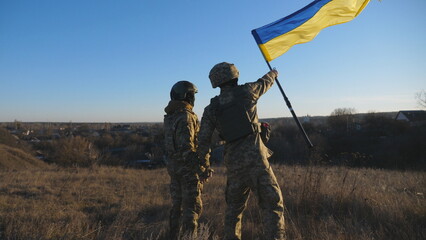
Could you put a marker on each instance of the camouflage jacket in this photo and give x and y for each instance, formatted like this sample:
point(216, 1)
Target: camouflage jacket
point(181, 127)
point(245, 151)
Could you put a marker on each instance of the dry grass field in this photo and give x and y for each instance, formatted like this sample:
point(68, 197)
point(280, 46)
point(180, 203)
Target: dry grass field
point(116, 203)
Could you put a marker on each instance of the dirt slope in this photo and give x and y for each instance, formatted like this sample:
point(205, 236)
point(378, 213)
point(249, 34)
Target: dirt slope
point(16, 159)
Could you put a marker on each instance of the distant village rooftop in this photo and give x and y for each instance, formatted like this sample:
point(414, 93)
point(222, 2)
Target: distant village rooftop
point(413, 116)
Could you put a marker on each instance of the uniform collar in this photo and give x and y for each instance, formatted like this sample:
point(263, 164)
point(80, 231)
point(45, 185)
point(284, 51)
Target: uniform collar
point(175, 106)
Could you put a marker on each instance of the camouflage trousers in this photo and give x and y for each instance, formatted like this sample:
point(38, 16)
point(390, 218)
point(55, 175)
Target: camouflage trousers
point(185, 191)
point(264, 185)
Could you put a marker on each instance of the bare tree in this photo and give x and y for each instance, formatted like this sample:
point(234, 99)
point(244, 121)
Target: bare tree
point(341, 120)
point(343, 112)
point(421, 99)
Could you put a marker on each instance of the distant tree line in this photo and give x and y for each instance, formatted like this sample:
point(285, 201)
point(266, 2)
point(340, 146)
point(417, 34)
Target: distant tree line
point(83, 145)
point(374, 140)
point(108, 148)
point(343, 138)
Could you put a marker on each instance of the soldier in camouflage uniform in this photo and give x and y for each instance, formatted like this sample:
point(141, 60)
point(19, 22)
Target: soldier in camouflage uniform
point(234, 115)
point(181, 127)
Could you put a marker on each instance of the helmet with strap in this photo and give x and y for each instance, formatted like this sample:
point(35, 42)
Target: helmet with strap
point(222, 73)
point(184, 91)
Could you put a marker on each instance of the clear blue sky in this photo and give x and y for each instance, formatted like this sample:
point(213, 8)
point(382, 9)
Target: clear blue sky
point(115, 61)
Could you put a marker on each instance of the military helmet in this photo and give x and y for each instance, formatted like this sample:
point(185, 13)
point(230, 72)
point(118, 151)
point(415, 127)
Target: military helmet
point(222, 73)
point(182, 90)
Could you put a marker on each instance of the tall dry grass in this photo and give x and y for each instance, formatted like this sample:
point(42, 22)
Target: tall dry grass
point(115, 203)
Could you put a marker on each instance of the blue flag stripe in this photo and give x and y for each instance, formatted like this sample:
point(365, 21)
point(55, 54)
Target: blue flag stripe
point(264, 34)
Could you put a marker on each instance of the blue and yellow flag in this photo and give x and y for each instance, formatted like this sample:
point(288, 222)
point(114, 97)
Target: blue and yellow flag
point(302, 26)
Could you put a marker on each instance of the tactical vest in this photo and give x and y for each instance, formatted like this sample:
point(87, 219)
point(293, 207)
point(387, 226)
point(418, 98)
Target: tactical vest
point(233, 119)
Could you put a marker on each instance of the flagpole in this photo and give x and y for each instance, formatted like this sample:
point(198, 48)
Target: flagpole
point(305, 136)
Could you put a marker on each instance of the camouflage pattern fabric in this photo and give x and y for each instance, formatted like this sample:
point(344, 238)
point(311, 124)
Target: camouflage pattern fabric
point(222, 73)
point(181, 127)
point(248, 169)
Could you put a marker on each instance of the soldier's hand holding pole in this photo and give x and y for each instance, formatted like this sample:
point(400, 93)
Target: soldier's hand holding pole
point(276, 72)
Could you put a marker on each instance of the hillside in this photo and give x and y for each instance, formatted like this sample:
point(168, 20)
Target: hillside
point(111, 203)
point(16, 159)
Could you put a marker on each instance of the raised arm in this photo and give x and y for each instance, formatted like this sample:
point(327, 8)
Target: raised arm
point(263, 84)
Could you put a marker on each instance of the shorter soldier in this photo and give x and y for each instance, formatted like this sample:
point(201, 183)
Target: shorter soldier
point(181, 128)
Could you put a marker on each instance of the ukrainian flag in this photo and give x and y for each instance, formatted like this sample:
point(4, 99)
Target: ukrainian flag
point(302, 26)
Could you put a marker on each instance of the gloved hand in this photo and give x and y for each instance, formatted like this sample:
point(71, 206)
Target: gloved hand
point(206, 174)
point(275, 71)
point(202, 167)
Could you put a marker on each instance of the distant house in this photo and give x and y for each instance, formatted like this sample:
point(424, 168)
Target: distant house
point(414, 118)
point(307, 119)
point(40, 155)
point(34, 140)
point(122, 128)
point(146, 163)
point(95, 134)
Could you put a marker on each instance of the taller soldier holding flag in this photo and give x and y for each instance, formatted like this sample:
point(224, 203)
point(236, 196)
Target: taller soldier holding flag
point(234, 115)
